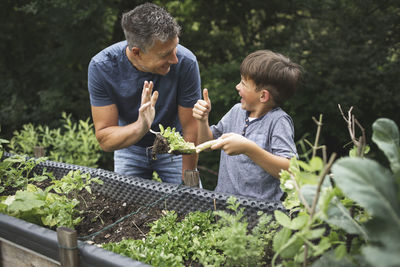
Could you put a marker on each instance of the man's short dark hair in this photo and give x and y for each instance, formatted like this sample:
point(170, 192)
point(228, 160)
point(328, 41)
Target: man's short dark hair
point(147, 23)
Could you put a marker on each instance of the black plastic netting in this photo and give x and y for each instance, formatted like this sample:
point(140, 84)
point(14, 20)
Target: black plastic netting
point(135, 190)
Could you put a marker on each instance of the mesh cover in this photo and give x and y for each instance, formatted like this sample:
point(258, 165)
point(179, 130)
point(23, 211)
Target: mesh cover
point(181, 198)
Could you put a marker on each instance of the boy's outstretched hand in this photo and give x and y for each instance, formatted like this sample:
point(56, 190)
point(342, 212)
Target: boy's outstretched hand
point(233, 144)
point(202, 108)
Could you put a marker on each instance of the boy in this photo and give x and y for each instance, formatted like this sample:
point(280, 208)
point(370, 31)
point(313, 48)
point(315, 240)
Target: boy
point(256, 136)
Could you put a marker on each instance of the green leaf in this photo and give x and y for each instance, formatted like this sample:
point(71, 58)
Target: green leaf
point(292, 247)
point(281, 238)
point(315, 233)
point(382, 256)
point(383, 231)
point(25, 201)
point(299, 221)
point(340, 251)
point(370, 185)
point(338, 215)
point(323, 245)
point(282, 218)
point(309, 192)
point(329, 259)
point(316, 164)
point(386, 137)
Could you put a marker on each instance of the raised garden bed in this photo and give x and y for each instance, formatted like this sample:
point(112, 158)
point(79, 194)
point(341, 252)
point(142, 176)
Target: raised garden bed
point(133, 191)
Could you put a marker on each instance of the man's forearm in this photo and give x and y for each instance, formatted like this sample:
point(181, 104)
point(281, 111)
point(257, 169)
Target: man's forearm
point(189, 162)
point(117, 137)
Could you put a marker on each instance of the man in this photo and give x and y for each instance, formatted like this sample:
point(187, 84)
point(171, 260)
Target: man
point(121, 79)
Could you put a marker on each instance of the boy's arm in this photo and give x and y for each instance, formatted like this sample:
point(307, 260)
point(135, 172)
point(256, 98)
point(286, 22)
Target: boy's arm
point(271, 163)
point(235, 144)
point(200, 112)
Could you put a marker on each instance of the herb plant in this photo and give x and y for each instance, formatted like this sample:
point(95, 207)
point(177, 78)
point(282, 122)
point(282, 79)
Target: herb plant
point(73, 183)
point(46, 208)
point(176, 142)
point(74, 143)
point(198, 238)
point(347, 217)
point(16, 171)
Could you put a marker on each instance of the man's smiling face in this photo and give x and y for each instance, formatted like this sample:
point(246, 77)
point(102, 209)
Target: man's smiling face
point(159, 58)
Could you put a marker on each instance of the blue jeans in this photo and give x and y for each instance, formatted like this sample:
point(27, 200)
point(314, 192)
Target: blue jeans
point(137, 161)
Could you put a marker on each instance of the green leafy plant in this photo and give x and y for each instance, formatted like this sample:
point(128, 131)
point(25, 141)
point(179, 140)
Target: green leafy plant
point(169, 242)
point(46, 208)
point(73, 183)
point(198, 238)
point(41, 207)
point(349, 216)
point(176, 142)
point(15, 171)
point(237, 245)
point(75, 143)
point(376, 189)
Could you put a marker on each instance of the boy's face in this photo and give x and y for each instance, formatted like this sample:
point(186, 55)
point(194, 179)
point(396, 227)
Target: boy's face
point(250, 99)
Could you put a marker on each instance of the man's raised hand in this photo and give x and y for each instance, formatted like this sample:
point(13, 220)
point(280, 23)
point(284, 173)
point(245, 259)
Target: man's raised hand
point(147, 109)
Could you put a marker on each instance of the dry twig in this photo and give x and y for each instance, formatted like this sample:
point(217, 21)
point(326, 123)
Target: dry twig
point(351, 126)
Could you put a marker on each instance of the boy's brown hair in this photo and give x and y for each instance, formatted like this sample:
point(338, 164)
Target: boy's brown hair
point(273, 72)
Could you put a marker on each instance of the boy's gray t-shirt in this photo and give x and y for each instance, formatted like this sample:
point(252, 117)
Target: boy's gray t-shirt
point(238, 174)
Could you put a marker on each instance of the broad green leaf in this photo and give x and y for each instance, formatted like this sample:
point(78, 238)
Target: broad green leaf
point(299, 221)
point(329, 259)
point(339, 216)
point(370, 185)
point(292, 247)
point(386, 136)
point(323, 245)
point(383, 231)
point(282, 218)
point(316, 164)
point(25, 201)
point(382, 256)
point(304, 165)
point(281, 238)
point(340, 251)
point(315, 233)
point(309, 191)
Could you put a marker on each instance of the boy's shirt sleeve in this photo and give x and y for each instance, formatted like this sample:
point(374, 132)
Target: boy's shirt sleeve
point(282, 139)
point(222, 126)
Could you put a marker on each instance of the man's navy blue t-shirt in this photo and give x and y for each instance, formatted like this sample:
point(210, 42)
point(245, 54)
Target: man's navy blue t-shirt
point(113, 79)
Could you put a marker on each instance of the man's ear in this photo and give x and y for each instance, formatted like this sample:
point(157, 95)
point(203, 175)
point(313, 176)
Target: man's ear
point(135, 51)
point(265, 96)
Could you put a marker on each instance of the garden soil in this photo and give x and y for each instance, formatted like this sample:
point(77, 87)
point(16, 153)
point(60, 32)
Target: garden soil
point(100, 211)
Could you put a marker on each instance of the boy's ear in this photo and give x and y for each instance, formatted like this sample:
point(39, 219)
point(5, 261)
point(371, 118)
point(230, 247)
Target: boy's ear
point(265, 96)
